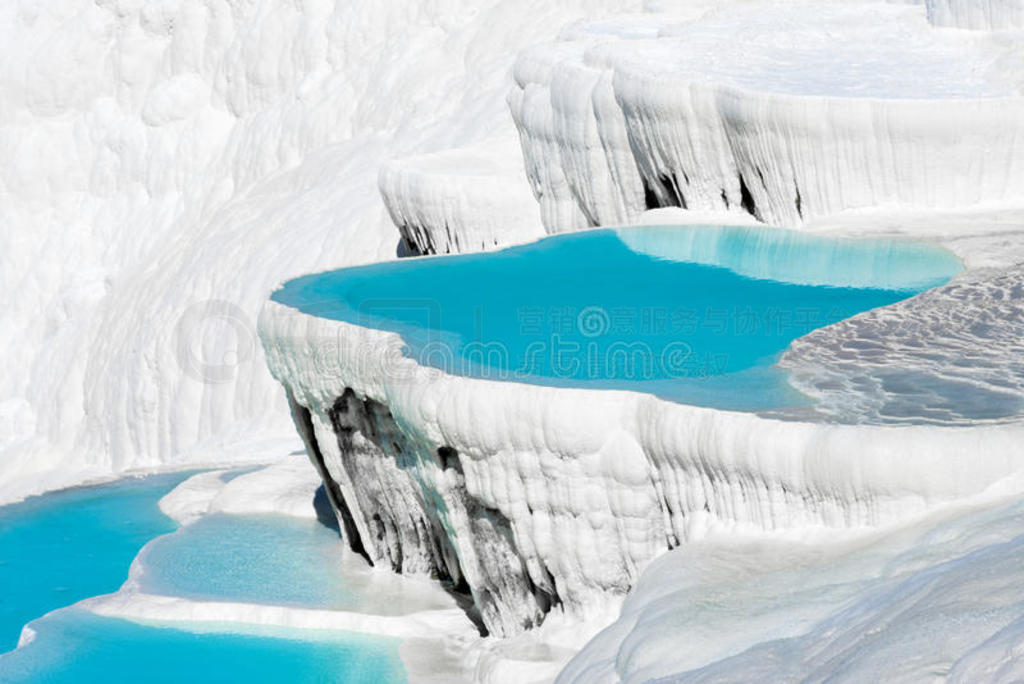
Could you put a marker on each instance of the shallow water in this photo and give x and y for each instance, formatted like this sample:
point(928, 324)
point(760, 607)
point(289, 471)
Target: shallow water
point(76, 646)
point(65, 546)
point(253, 559)
point(692, 314)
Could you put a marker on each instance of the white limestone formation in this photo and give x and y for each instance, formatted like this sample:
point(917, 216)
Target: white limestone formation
point(790, 111)
point(460, 200)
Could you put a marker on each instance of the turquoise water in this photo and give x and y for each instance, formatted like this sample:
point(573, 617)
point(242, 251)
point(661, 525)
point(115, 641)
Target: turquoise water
point(241, 558)
point(62, 547)
point(65, 546)
point(692, 314)
point(77, 647)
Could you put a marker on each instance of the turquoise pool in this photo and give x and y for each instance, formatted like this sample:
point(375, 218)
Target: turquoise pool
point(78, 647)
point(69, 545)
point(692, 314)
point(240, 558)
point(66, 546)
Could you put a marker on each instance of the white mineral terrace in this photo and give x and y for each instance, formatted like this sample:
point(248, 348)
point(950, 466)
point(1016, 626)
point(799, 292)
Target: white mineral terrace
point(461, 200)
point(838, 118)
point(592, 485)
point(168, 164)
point(787, 111)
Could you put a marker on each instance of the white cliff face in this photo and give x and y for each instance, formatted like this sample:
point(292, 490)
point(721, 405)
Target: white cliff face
point(825, 108)
point(460, 200)
point(574, 138)
point(977, 14)
point(531, 497)
point(166, 163)
point(537, 496)
point(938, 598)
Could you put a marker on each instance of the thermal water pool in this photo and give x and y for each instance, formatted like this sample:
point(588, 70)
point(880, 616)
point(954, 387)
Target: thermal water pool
point(65, 546)
point(693, 314)
point(238, 558)
point(78, 647)
point(62, 547)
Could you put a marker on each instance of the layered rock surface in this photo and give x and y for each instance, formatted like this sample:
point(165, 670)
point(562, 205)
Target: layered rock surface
point(790, 112)
point(532, 497)
point(977, 14)
point(536, 496)
point(460, 200)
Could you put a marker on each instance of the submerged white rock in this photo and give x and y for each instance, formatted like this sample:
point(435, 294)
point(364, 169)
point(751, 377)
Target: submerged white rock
point(950, 356)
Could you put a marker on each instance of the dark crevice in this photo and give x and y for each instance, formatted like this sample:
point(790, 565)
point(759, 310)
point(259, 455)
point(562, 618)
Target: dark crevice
point(510, 582)
point(367, 426)
point(664, 194)
point(678, 192)
point(324, 511)
point(556, 598)
point(539, 595)
point(348, 416)
point(406, 247)
point(725, 199)
point(414, 242)
point(671, 539)
point(546, 598)
point(449, 458)
point(746, 199)
point(402, 524)
point(464, 599)
point(650, 199)
point(304, 422)
point(799, 203)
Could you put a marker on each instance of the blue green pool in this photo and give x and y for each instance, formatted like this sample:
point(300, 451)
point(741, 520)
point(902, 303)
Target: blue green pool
point(62, 547)
point(271, 559)
point(692, 314)
point(77, 647)
point(65, 546)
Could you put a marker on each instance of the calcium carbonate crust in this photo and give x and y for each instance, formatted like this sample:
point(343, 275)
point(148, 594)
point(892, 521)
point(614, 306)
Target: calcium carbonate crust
point(460, 200)
point(167, 163)
point(531, 497)
point(825, 108)
point(952, 355)
point(977, 14)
